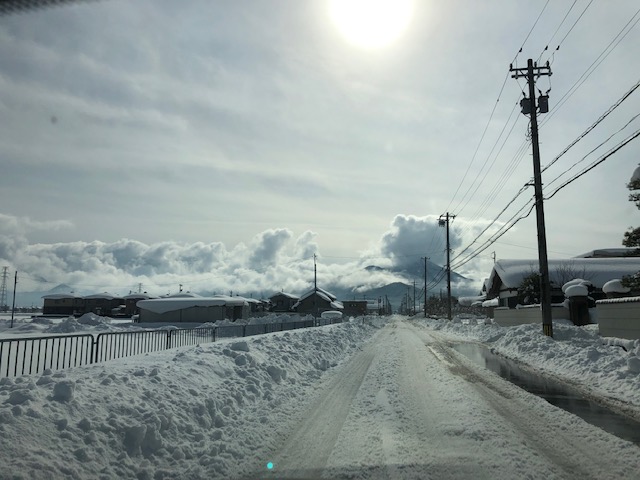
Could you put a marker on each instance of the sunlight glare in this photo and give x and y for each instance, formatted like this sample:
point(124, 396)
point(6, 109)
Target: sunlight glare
point(371, 23)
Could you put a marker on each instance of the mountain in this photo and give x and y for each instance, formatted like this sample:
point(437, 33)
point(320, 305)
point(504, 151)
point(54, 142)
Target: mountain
point(34, 298)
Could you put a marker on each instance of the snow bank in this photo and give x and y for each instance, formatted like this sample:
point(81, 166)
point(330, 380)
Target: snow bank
point(196, 412)
point(576, 354)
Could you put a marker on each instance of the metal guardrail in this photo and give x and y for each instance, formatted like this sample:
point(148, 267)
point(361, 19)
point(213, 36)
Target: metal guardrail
point(33, 355)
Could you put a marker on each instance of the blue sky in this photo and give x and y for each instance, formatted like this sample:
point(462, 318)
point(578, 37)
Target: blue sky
point(231, 124)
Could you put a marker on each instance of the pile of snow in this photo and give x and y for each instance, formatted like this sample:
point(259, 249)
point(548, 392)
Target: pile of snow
point(575, 354)
point(576, 291)
point(615, 286)
point(93, 319)
point(205, 411)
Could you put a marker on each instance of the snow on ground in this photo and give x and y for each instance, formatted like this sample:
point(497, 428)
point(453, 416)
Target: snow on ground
point(601, 367)
point(349, 399)
point(195, 412)
point(26, 326)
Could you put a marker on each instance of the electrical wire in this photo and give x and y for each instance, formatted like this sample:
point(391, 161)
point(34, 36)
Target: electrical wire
point(574, 23)
point(594, 65)
point(494, 109)
point(600, 160)
point(558, 29)
point(593, 150)
point(610, 110)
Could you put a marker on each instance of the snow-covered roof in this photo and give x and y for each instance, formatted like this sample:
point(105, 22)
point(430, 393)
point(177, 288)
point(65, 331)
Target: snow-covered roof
point(329, 297)
point(183, 295)
point(597, 270)
point(163, 305)
point(58, 296)
point(133, 296)
point(326, 296)
point(469, 301)
point(608, 253)
point(104, 295)
point(285, 294)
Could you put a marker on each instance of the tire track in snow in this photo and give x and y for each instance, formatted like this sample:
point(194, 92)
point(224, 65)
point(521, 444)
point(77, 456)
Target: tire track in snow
point(308, 447)
point(571, 451)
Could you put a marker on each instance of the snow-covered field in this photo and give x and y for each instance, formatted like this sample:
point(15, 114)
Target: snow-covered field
point(341, 401)
point(26, 326)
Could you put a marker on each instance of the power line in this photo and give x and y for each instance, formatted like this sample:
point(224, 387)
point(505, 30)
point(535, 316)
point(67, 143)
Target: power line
point(597, 162)
point(493, 110)
point(593, 150)
point(596, 123)
point(484, 132)
point(558, 29)
point(531, 31)
point(511, 222)
point(594, 65)
point(574, 23)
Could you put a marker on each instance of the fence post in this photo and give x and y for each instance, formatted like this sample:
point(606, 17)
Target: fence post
point(168, 339)
point(95, 344)
point(244, 330)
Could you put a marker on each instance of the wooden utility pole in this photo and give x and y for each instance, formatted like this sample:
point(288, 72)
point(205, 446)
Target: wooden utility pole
point(529, 106)
point(425, 286)
point(414, 297)
point(445, 223)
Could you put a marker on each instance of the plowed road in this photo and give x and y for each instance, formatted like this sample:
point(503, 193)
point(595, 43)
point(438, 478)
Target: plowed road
point(407, 406)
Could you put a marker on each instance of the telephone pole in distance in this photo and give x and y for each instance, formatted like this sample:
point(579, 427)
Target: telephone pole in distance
point(445, 223)
point(425, 285)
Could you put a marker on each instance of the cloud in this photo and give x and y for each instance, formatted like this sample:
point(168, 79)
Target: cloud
point(267, 246)
point(411, 236)
point(273, 260)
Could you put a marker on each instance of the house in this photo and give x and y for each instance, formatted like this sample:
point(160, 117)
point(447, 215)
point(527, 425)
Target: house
point(283, 302)
point(63, 304)
point(196, 309)
point(507, 276)
point(316, 301)
point(102, 303)
point(131, 300)
point(355, 308)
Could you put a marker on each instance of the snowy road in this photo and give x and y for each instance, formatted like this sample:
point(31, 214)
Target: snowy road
point(407, 406)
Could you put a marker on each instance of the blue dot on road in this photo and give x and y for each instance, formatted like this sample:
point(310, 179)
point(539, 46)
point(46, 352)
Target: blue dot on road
point(270, 465)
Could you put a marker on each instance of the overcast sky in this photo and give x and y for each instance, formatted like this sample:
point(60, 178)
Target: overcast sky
point(222, 143)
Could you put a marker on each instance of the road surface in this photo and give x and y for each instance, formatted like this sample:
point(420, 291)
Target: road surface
point(408, 406)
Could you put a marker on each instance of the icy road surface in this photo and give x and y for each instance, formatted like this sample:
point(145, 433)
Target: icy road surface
point(407, 406)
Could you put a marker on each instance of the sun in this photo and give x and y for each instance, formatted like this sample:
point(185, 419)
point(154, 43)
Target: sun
point(371, 23)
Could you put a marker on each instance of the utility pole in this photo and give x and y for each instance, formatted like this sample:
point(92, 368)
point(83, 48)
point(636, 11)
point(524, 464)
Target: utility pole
point(442, 223)
point(529, 106)
point(13, 308)
point(414, 297)
point(425, 285)
point(3, 289)
point(315, 274)
point(315, 286)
